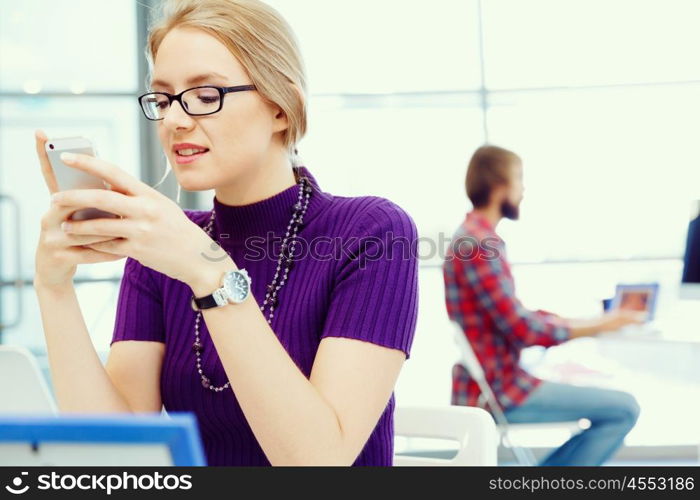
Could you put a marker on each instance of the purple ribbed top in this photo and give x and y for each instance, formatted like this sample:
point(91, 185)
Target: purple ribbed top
point(354, 291)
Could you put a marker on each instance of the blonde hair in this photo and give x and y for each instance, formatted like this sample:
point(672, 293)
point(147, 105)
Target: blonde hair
point(262, 41)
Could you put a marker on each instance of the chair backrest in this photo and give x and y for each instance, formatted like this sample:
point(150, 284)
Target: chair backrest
point(23, 388)
point(467, 356)
point(472, 428)
point(469, 360)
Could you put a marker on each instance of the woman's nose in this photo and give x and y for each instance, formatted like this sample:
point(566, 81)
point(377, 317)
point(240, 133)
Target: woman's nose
point(175, 117)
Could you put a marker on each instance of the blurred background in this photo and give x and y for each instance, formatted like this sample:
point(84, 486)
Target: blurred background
point(601, 98)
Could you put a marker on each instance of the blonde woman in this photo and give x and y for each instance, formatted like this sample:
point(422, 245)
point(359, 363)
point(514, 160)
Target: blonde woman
point(284, 358)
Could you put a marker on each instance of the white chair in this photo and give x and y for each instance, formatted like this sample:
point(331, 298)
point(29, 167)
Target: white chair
point(23, 388)
point(472, 428)
point(523, 455)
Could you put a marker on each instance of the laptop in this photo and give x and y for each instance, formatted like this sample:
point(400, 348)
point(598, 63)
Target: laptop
point(33, 433)
point(23, 388)
point(641, 298)
point(118, 440)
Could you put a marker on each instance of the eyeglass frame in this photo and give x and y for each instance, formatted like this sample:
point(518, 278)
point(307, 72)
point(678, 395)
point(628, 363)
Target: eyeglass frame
point(178, 97)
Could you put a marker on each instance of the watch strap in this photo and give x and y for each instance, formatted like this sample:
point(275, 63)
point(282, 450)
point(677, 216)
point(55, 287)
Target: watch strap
point(203, 303)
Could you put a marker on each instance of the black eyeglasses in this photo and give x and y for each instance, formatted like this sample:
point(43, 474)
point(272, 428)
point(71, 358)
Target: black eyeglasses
point(197, 101)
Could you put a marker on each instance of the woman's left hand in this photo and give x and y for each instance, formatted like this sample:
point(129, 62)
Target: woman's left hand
point(152, 229)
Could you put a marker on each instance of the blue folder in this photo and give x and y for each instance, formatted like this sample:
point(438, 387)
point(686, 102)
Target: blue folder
point(179, 432)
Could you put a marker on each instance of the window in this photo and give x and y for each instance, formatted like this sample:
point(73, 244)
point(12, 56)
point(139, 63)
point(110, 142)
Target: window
point(368, 47)
point(559, 43)
point(609, 173)
point(77, 46)
point(69, 75)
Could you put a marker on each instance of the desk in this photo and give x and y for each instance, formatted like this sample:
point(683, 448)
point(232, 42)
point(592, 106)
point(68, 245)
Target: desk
point(672, 350)
point(673, 354)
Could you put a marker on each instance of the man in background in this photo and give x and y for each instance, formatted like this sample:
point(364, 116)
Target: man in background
point(480, 296)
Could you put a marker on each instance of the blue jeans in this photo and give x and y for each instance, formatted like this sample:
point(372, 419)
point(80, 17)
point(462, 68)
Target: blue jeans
point(612, 415)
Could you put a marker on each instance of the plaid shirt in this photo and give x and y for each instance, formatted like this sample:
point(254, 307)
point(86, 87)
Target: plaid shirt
point(480, 296)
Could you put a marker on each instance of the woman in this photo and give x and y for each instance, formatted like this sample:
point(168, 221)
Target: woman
point(301, 369)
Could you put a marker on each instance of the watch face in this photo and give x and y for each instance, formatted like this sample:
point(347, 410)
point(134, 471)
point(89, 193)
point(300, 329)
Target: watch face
point(237, 286)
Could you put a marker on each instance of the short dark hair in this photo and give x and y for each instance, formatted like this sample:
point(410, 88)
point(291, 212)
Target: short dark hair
point(488, 168)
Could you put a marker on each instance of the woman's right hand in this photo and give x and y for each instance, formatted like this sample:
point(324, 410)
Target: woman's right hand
point(58, 254)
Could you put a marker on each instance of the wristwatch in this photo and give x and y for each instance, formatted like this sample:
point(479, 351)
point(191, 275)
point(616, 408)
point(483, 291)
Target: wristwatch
point(235, 288)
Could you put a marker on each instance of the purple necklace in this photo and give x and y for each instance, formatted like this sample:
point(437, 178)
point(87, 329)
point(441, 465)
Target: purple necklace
point(284, 265)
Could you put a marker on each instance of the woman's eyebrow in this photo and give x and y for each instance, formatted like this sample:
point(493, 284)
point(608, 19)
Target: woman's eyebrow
point(193, 80)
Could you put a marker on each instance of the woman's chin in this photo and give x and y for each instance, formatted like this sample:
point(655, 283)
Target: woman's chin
point(192, 183)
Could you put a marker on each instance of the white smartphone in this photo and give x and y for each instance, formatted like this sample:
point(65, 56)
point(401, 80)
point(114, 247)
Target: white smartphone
point(73, 178)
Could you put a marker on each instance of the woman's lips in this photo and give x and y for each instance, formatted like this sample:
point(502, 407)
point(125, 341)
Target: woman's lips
point(185, 160)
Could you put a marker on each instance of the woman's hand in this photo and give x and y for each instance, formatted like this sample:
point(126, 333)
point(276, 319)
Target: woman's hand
point(58, 254)
point(152, 229)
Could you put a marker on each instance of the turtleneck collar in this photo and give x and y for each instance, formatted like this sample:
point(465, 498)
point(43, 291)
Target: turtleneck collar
point(262, 217)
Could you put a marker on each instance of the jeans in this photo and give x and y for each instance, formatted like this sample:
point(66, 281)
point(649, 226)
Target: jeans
point(612, 415)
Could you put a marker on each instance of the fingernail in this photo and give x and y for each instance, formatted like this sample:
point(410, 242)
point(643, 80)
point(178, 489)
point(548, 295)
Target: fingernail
point(66, 226)
point(67, 157)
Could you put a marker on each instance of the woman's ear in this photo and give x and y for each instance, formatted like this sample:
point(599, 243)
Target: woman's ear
point(280, 123)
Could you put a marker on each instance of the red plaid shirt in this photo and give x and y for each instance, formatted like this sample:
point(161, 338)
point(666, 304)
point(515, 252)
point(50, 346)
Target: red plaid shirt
point(480, 296)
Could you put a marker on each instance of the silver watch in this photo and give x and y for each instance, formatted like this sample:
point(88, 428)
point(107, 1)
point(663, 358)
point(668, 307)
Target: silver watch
point(235, 289)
